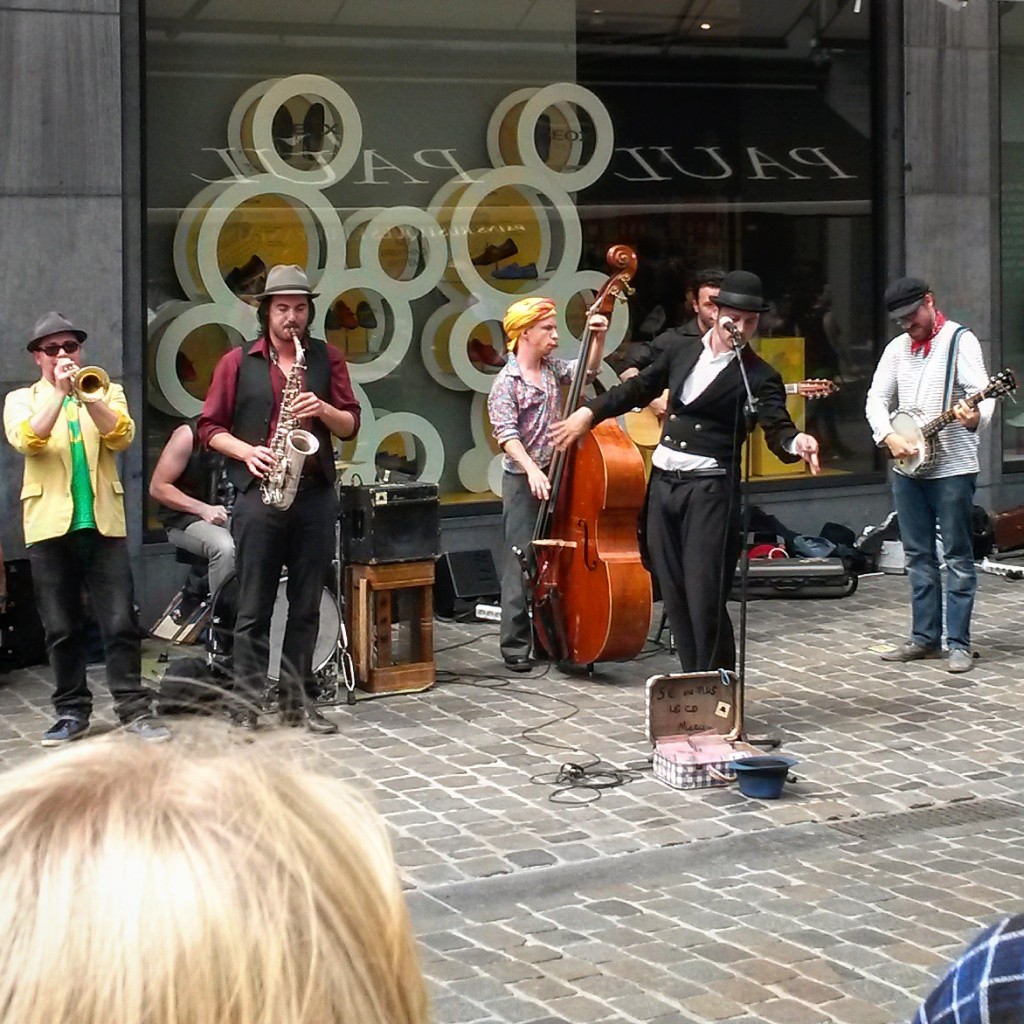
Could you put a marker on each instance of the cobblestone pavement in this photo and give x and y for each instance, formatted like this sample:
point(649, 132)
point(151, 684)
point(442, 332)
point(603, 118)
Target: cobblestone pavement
point(839, 902)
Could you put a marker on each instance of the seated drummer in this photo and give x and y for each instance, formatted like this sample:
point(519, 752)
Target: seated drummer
point(185, 483)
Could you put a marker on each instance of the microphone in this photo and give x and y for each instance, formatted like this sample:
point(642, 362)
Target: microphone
point(736, 334)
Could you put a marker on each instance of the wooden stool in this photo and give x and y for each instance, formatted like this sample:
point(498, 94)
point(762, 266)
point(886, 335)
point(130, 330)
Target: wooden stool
point(381, 600)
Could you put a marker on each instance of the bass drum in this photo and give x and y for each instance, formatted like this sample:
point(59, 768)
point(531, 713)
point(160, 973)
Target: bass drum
point(220, 635)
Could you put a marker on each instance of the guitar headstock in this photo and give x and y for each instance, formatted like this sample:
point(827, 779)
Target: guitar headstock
point(816, 388)
point(1003, 383)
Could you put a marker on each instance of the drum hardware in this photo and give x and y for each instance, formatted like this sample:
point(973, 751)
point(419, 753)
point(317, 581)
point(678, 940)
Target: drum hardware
point(219, 639)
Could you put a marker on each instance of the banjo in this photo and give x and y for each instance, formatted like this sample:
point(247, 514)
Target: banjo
point(911, 424)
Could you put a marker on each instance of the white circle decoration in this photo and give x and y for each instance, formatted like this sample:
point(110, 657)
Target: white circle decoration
point(389, 357)
point(473, 467)
point(429, 343)
point(436, 254)
point(462, 221)
point(224, 204)
point(371, 435)
point(505, 108)
point(235, 315)
point(495, 474)
point(458, 347)
point(185, 236)
point(604, 132)
point(351, 129)
point(245, 104)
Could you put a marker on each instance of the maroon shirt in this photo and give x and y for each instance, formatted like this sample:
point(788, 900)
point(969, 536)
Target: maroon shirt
point(218, 413)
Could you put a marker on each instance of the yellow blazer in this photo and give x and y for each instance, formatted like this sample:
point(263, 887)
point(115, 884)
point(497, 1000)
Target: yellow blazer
point(46, 502)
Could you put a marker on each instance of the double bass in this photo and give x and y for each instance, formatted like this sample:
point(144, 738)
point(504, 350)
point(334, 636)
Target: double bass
point(590, 593)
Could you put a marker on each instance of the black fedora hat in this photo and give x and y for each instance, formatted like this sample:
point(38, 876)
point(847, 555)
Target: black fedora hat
point(741, 290)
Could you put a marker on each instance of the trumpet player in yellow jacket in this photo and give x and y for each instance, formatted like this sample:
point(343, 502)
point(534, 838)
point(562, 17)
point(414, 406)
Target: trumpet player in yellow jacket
point(69, 430)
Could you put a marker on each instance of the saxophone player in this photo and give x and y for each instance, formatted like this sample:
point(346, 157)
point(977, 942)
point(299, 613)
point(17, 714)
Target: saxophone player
point(255, 386)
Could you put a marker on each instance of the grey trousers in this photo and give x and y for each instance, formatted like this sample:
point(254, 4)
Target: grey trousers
point(519, 510)
point(214, 543)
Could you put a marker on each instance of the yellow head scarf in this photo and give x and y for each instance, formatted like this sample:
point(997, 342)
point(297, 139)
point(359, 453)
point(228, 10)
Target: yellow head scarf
point(522, 315)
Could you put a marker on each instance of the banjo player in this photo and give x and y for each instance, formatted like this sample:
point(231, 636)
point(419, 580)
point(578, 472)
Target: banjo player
point(934, 364)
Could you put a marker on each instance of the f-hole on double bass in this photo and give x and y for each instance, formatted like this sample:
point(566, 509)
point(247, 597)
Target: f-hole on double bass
point(590, 593)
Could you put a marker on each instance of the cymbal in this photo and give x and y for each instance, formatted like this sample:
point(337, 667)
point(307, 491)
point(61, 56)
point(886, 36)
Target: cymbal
point(341, 464)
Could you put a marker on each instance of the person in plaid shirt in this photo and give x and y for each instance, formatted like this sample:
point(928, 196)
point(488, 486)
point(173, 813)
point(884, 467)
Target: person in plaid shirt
point(985, 985)
point(522, 405)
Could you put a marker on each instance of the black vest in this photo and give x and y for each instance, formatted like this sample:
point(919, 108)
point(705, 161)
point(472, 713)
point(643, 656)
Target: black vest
point(254, 404)
point(197, 480)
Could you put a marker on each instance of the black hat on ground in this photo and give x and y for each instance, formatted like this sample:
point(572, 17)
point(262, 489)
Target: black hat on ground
point(904, 295)
point(741, 290)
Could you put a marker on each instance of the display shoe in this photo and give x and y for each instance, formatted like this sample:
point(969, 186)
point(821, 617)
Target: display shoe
point(542, 137)
point(282, 131)
point(365, 316)
point(340, 318)
point(184, 368)
point(313, 130)
point(249, 278)
point(483, 352)
point(515, 272)
point(493, 253)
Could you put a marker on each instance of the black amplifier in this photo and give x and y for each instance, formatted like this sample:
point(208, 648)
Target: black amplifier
point(389, 523)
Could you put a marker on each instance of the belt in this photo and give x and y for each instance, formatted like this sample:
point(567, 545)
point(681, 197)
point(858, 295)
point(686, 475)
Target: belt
point(311, 480)
point(682, 475)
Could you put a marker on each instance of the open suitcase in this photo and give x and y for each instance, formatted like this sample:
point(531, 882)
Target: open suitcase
point(694, 722)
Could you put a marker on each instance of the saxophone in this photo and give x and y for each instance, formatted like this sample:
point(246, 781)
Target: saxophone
point(291, 445)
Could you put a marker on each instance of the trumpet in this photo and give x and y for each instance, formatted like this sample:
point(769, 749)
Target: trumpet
point(90, 383)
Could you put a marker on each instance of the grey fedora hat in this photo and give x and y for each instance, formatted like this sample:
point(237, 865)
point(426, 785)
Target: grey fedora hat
point(287, 279)
point(741, 290)
point(53, 323)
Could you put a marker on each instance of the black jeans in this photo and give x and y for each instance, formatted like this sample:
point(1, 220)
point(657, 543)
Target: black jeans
point(61, 567)
point(267, 540)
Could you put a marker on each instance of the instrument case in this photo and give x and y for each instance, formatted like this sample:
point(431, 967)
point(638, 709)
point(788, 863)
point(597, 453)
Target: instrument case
point(1008, 529)
point(796, 577)
point(397, 522)
point(694, 723)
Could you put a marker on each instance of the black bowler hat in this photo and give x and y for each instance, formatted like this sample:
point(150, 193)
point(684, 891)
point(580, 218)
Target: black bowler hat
point(741, 290)
point(904, 295)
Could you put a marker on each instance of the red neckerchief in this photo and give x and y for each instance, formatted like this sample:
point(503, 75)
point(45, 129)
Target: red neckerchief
point(924, 347)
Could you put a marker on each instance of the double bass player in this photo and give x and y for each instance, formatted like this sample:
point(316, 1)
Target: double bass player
point(693, 507)
point(523, 403)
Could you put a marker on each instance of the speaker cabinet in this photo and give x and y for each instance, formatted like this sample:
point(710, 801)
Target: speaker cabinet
point(464, 577)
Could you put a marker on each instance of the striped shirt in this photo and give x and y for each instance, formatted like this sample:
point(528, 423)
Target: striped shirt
point(521, 410)
point(907, 382)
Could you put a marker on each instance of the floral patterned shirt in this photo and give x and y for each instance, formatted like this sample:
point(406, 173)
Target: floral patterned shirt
point(521, 410)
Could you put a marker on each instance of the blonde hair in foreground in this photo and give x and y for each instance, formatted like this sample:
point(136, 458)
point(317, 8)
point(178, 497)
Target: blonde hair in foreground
point(144, 884)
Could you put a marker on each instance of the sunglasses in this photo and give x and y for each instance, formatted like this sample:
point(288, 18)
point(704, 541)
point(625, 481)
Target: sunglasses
point(55, 347)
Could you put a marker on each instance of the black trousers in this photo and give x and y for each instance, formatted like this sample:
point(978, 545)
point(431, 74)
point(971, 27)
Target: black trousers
point(693, 533)
point(267, 540)
point(61, 567)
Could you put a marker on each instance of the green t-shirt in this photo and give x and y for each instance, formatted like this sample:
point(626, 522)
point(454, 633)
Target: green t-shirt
point(84, 517)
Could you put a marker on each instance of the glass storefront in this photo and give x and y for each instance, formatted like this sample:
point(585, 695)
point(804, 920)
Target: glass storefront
point(429, 161)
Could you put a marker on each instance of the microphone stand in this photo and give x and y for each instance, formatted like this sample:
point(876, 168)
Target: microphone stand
point(739, 343)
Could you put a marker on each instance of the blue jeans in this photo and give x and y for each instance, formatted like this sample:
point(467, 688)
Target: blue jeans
point(61, 567)
point(921, 504)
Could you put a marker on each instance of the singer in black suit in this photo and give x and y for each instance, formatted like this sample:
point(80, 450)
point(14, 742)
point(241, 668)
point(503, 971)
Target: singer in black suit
point(693, 499)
